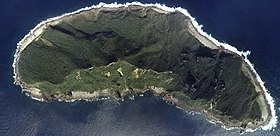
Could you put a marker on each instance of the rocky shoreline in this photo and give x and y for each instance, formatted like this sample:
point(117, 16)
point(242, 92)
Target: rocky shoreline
point(268, 111)
point(36, 94)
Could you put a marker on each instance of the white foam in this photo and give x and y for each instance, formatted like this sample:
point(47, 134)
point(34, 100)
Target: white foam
point(32, 97)
point(273, 121)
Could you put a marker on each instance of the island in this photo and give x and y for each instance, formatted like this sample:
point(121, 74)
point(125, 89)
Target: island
point(107, 51)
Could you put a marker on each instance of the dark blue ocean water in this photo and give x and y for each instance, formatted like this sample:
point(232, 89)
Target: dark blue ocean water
point(246, 24)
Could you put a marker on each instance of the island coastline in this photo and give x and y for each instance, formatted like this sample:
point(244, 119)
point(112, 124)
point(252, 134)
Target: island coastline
point(197, 31)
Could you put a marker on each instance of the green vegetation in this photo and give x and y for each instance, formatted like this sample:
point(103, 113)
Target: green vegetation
point(134, 49)
point(116, 77)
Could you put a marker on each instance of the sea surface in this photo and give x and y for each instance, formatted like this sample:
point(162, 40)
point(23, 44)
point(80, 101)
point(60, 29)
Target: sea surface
point(246, 24)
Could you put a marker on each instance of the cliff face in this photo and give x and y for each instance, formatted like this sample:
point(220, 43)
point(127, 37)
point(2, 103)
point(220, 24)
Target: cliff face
point(61, 60)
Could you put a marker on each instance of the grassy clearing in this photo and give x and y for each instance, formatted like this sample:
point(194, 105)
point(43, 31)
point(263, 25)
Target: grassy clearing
point(119, 76)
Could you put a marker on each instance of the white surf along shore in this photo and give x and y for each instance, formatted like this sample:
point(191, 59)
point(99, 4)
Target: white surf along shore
point(205, 38)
